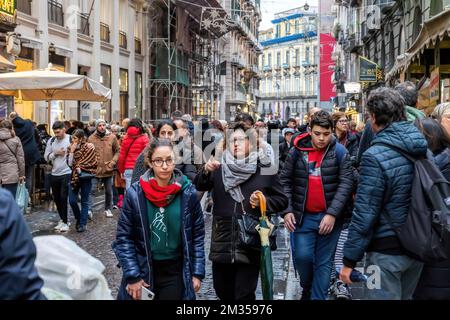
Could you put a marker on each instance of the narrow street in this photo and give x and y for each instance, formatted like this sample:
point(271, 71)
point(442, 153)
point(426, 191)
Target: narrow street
point(101, 232)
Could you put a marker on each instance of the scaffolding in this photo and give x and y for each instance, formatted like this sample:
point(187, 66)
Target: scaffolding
point(183, 59)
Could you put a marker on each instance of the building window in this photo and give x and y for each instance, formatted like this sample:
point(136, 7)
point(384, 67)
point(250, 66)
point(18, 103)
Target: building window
point(417, 23)
point(278, 59)
point(138, 94)
point(24, 6)
point(315, 55)
point(288, 28)
point(55, 12)
point(105, 79)
point(436, 6)
point(307, 54)
point(269, 59)
point(123, 85)
point(297, 26)
point(277, 31)
point(287, 57)
point(297, 57)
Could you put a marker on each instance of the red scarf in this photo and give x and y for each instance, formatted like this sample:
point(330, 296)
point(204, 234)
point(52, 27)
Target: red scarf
point(159, 196)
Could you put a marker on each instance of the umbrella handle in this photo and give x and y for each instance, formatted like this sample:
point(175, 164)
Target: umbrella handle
point(262, 203)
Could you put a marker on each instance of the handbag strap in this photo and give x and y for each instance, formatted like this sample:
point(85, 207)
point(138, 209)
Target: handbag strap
point(9, 148)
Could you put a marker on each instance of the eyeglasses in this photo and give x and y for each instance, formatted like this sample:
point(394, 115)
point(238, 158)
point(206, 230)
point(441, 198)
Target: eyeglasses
point(160, 163)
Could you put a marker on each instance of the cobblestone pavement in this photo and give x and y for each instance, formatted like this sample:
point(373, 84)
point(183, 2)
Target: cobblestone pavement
point(101, 233)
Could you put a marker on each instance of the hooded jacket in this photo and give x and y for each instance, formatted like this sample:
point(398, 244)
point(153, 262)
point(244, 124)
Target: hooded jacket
point(19, 279)
point(132, 244)
point(384, 188)
point(25, 130)
point(130, 149)
point(337, 178)
point(12, 161)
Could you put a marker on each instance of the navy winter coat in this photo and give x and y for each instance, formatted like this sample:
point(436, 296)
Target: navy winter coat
point(132, 245)
point(384, 187)
point(25, 130)
point(19, 278)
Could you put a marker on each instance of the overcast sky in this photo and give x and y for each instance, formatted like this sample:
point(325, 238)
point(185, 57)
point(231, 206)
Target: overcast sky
point(270, 7)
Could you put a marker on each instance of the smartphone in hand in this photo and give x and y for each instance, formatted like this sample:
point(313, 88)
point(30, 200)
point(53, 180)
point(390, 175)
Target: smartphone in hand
point(146, 294)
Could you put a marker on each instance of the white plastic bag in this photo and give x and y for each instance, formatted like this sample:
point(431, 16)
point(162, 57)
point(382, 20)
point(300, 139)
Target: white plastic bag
point(22, 196)
point(69, 270)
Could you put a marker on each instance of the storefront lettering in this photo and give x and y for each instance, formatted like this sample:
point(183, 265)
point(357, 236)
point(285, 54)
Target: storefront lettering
point(8, 6)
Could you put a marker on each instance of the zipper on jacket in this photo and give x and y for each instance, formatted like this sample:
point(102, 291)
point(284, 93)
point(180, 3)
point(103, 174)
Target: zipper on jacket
point(146, 245)
point(321, 177)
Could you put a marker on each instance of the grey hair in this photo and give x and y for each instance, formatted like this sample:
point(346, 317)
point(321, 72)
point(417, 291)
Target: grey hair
point(440, 110)
point(408, 91)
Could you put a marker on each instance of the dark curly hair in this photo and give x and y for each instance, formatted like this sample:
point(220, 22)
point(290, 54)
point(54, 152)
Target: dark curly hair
point(387, 106)
point(155, 144)
point(322, 119)
point(163, 123)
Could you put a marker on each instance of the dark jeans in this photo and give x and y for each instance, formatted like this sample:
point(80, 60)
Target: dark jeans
point(108, 185)
point(235, 281)
point(11, 188)
point(29, 177)
point(168, 278)
point(84, 186)
point(115, 195)
point(47, 185)
point(60, 185)
point(313, 255)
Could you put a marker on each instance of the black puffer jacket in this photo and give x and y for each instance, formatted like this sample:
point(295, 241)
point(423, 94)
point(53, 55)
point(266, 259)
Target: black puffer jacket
point(434, 283)
point(337, 178)
point(226, 211)
point(352, 146)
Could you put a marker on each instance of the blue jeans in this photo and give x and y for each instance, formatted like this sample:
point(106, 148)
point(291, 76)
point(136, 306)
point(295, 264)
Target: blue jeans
point(398, 276)
point(128, 175)
point(84, 186)
point(314, 255)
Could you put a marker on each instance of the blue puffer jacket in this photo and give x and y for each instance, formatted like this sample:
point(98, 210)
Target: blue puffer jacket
point(19, 279)
point(132, 245)
point(384, 186)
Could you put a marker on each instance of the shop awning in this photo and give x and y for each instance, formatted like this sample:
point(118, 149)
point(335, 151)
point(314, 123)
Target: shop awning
point(432, 29)
point(5, 64)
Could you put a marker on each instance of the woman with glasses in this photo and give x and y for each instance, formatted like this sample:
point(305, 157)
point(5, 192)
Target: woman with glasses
point(160, 233)
point(234, 182)
point(344, 135)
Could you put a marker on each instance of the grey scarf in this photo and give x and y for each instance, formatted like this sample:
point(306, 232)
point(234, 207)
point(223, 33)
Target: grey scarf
point(237, 171)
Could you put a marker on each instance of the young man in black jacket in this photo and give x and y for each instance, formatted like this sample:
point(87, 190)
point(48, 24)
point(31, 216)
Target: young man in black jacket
point(318, 181)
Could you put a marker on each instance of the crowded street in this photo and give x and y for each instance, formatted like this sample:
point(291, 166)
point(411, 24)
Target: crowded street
point(226, 151)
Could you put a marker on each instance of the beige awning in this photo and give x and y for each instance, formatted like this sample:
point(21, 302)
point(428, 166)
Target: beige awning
point(6, 64)
point(432, 29)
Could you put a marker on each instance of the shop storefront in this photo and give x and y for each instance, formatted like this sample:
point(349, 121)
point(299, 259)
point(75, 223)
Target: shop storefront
point(24, 62)
point(427, 63)
point(7, 24)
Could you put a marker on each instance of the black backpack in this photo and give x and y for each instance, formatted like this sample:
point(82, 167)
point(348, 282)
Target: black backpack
point(425, 236)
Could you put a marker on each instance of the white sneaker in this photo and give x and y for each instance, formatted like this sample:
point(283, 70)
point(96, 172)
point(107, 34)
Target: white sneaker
point(90, 215)
point(64, 228)
point(115, 207)
point(59, 225)
point(108, 213)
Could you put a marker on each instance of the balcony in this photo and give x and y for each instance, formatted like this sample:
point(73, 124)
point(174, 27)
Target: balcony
point(238, 61)
point(24, 6)
point(286, 66)
point(105, 33)
point(137, 46)
point(123, 40)
point(83, 24)
point(55, 12)
point(267, 68)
